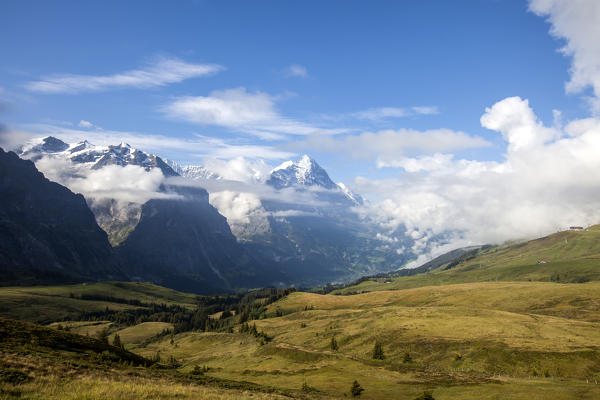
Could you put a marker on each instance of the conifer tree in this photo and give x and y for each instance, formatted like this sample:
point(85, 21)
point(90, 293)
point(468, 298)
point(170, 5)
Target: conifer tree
point(378, 351)
point(103, 336)
point(117, 341)
point(356, 389)
point(427, 395)
point(333, 344)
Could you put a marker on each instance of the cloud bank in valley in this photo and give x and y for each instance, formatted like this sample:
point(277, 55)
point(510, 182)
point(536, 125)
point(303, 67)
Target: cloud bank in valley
point(129, 184)
point(548, 181)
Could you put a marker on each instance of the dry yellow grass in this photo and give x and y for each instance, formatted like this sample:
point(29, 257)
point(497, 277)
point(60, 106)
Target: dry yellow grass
point(470, 341)
point(138, 333)
point(573, 301)
point(85, 328)
point(99, 387)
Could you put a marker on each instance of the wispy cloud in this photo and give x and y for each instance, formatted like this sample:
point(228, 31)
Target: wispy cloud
point(296, 70)
point(178, 149)
point(380, 113)
point(88, 125)
point(388, 147)
point(160, 73)
point(240, 110)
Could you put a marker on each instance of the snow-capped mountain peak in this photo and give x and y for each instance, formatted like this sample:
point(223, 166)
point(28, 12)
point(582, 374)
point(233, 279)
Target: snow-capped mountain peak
point(305, 172)
point(94, 156)
point(48, 144)
point(196, 172)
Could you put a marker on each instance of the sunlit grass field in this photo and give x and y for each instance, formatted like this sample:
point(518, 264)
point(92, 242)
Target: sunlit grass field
point(567, 256)
point(46, 304)
point(471, 341)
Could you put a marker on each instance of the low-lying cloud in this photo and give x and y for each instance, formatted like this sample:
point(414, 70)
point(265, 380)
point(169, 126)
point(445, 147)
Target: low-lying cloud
point(129, 184)
point(548, 181)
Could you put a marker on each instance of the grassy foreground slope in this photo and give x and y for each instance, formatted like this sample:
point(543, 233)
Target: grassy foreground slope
point(42, 363)
point(567, 256)
point(523, 340)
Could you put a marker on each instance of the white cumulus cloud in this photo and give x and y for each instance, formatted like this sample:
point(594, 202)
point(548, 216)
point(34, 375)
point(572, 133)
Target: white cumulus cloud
point(578, 23)
point(548, 181)
point(130, 183)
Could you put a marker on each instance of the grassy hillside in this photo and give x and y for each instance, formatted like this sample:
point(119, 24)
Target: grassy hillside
point(42, 363)
point(45, 304)
point(134, 335)
point(522, 340)
point(568, 257)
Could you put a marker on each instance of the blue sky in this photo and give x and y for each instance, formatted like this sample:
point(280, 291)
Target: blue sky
point(333, 69)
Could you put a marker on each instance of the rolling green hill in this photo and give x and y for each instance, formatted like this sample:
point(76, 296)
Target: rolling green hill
point(44, 304)
point(520, 340)
point(567, 257)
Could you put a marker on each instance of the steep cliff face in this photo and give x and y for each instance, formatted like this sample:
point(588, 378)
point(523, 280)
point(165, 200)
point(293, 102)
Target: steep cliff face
point(187, 245)
point(47, 233)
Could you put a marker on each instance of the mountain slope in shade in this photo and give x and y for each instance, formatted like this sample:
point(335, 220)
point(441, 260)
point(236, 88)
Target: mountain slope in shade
point(117, 218)
point(47, 233)
point(187, 245)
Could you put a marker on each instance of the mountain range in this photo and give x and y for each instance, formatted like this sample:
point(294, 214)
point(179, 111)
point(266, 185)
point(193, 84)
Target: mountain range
point(304, 229)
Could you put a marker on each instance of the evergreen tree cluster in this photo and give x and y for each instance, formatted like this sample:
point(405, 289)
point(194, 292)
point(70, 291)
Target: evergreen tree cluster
point(246, 328)
point(234, 308)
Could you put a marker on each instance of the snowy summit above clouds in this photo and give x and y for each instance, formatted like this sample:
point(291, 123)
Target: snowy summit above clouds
point(305, 171)
point(95, 157)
